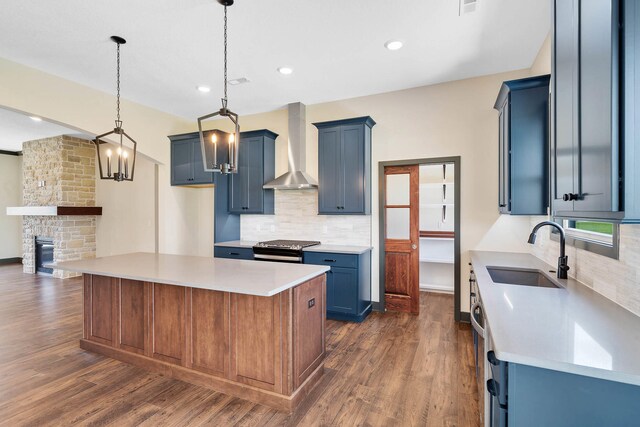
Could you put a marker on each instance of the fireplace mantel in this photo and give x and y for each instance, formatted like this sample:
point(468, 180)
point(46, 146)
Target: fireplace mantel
point(53, 210)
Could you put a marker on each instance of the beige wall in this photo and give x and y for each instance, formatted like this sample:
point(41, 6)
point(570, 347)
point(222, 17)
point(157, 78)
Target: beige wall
point(542, 63)
point(10, 195)
point(73, 105)
point(127, 223)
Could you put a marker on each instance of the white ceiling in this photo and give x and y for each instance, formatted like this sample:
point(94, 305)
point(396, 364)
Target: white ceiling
point(16, 128)
point(336, 48)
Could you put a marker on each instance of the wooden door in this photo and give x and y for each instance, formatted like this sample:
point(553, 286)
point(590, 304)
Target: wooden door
point(401, 238)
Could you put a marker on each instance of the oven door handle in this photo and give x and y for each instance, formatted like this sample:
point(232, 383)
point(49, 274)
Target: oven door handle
point(283, 258)
point(479, 329)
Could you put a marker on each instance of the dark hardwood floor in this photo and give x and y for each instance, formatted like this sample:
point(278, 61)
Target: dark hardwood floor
point(394, 369)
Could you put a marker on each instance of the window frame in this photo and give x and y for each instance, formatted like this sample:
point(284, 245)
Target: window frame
point(579, 239)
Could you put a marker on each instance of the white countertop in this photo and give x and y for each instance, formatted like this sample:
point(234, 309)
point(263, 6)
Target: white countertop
point(341, 249)
point(573, 329)
point(248, 244)
point(218, 274)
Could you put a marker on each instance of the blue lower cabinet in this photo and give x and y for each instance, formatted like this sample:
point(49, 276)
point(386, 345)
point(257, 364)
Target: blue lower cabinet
point(527, 396)
point(348, 284)
point(233, 252)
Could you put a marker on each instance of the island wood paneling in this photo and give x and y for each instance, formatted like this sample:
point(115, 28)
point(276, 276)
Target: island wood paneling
point(256, 353)
point(266, 349)
point(102, 304)
point(134, 311)
point(309, 314)
point(210, 331)
point(168, 322)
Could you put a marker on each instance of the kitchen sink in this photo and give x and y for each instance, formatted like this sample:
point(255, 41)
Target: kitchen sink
point(524, 277)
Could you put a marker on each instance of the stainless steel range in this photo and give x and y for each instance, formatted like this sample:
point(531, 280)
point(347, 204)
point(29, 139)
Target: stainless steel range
point(281, 250)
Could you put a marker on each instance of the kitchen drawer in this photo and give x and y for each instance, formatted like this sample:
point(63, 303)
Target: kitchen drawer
point(233, 252)
point(331, 259)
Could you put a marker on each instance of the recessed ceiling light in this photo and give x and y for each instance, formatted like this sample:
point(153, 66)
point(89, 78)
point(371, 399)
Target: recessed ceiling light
point(393, 44)
point(35, 118)
point(239, 81)
point(285, 70)
point(204, 89)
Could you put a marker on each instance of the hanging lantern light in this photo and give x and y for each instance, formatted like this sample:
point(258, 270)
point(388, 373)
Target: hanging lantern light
point(211, 145)
point(116, 169)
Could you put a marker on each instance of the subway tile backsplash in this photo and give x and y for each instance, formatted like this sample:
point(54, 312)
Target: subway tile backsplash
point(296, 217)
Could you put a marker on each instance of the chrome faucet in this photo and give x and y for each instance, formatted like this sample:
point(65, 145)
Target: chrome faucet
point(563, 266)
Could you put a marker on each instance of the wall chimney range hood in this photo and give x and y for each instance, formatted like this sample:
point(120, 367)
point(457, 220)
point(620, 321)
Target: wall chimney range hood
point(296, 178)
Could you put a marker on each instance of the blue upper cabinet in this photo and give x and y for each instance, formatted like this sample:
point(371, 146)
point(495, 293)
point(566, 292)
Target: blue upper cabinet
point(595, 140)
point(256, 167)
point(187, 167)
point(344, 166)
point(523, 140)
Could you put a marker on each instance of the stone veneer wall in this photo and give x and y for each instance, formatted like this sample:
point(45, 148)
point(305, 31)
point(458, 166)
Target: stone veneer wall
point(618, 280)
point(68, 167)
point(296, 217)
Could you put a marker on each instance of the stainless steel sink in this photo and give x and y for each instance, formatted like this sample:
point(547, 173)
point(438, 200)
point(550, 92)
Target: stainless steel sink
point(524, 277)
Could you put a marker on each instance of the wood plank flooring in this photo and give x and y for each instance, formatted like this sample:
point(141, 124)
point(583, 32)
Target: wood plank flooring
point(394, 369)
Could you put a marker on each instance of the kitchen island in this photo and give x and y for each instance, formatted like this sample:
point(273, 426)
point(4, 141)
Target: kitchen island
point(254, 330)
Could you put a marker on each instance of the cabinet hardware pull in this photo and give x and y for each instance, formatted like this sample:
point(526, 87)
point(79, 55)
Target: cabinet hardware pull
point(570, 197)
point(492, 387)
point(503, 205)
point(234, 253)
point(491, 357)
point(329, 260)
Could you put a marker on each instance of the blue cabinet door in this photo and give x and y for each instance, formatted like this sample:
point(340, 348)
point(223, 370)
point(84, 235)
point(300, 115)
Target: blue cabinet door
point(352, 171)
point(187, 167)
point(255, 173)
point(565, 100)
point(233, 252)
point(256, 166)
point(344, 166)
point(238, 192)
point(199, 174)
point(181, 167)
point(597, 166)
point(342, 293)
point(523, 146)
point(330, 192)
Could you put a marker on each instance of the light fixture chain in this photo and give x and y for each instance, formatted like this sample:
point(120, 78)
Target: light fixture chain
point(225, 54)
point(118, 85)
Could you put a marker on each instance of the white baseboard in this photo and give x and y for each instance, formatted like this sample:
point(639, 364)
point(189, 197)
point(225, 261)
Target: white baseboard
point(443, 289)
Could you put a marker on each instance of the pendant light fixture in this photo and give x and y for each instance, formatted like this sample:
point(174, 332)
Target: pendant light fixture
point(116, 169)
point(210, 145)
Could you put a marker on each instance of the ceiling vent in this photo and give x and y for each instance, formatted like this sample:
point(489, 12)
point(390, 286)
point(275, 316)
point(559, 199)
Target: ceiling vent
point(467, 6)
point(241, 80)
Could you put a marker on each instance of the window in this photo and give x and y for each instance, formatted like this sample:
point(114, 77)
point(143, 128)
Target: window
point(599, 237)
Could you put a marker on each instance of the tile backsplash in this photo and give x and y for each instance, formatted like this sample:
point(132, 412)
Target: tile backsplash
point(296, 217)
point(618, 280)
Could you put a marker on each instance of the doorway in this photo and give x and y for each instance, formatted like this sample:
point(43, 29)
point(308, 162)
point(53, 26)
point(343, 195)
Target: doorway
point(419, 229)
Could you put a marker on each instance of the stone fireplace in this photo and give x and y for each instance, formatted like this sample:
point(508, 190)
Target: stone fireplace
point(59, 171)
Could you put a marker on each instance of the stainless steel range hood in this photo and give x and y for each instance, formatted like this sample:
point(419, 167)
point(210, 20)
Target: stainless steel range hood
point(296, 178)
